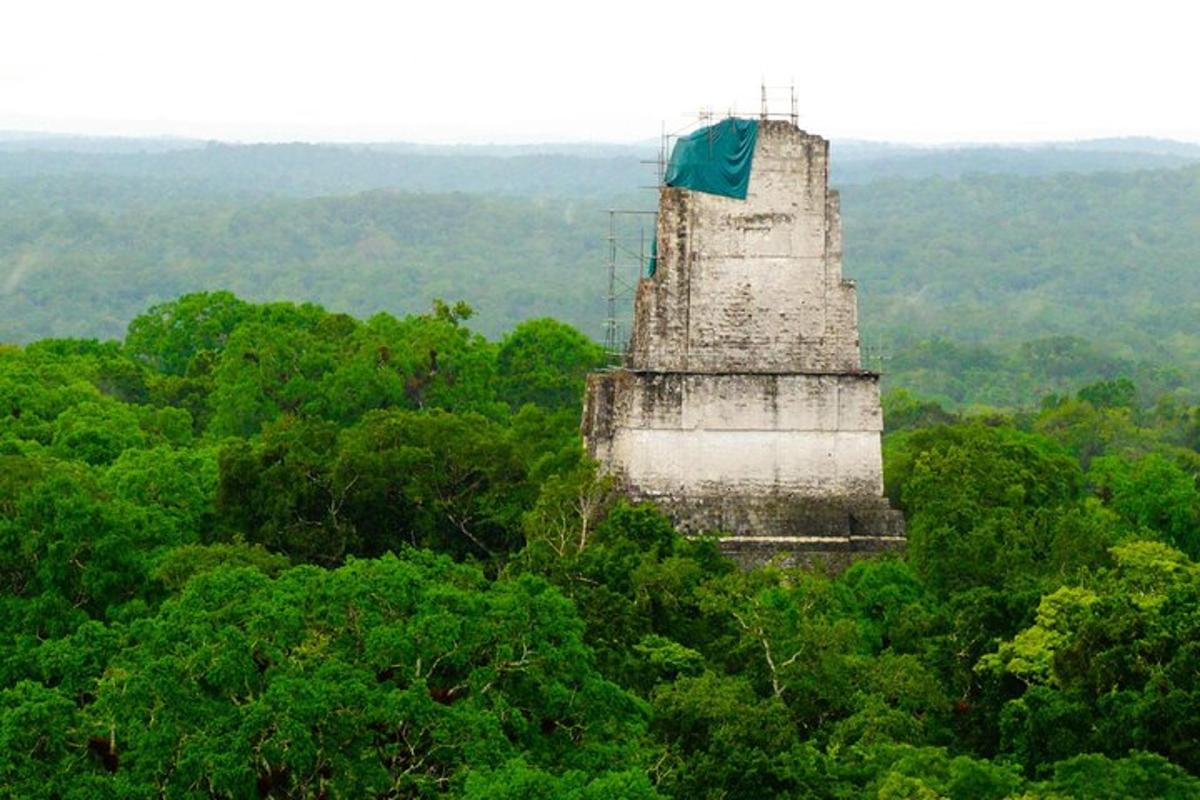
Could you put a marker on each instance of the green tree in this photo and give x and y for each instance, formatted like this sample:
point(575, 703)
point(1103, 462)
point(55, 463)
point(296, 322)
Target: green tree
point(545, 362)
point(69, 552)
point(1142, 775)
point(168, 336)
point(97, 432)
point(1152, 493)
point(393, 676)
point(452, 482)
point(1108, 667)
point(1119, 393)
point(990, 504)
point(182, 483)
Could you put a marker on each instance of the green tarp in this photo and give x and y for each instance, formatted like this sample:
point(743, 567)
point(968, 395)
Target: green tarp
point(715, 159)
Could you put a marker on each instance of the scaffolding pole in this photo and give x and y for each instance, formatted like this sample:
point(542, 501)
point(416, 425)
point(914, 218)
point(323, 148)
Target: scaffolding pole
point(627, 262)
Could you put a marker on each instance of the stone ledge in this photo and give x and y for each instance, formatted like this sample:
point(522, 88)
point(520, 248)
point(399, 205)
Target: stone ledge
point(856, 542)
point(832, 552)
point(852, 372)
point(773, 516)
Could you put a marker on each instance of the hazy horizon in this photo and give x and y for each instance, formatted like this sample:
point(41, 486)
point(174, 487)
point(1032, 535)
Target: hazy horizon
point(18, 134)
point(928, 72)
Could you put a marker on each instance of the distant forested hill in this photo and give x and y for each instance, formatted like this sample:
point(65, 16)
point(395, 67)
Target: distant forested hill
point(957, 162)
point(85, 272)
point(974, 288)
point(309, 170)
point(582, 171)
point(1111, 259)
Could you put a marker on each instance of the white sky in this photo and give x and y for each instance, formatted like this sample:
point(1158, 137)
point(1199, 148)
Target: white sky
point(606, 70)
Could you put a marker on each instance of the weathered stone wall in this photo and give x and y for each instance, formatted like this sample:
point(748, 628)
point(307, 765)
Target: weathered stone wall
point(743, 407)
point(672, 433)
point(756, 284)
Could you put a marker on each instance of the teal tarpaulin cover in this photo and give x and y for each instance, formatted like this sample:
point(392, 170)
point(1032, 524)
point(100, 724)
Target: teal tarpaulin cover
point(715, 159)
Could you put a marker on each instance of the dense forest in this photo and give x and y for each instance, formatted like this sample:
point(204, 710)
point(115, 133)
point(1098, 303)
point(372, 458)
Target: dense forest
point(976, 289)
point(269, 550)
point(259, 548)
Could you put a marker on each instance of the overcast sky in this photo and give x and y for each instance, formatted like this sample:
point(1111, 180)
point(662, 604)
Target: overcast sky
point(445, 71)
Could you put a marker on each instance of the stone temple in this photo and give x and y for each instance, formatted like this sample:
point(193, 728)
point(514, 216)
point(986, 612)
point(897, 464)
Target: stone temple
point(742, 406)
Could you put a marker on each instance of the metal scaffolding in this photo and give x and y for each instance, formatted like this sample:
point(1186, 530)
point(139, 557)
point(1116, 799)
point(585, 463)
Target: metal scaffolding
point(630, 235)
point(631, 232)
point(774, 96)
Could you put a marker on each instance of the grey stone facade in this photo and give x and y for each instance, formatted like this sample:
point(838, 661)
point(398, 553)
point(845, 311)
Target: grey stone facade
point(743, 406)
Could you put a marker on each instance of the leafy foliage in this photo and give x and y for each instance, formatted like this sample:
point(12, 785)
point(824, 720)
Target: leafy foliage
point(269, 550)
